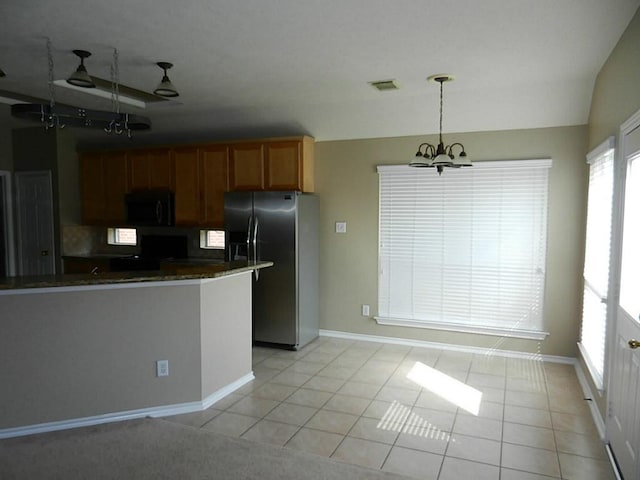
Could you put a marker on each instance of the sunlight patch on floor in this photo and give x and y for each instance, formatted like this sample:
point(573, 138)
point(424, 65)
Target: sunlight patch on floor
point(399, 418)
point(452, 390)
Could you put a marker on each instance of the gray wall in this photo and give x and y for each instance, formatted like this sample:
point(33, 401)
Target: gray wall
point(72, 354)
point(6, 148)
point(68, 179)
point(616, 95)
point(347, 184)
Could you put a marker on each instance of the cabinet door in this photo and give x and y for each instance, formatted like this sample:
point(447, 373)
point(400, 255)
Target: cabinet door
point(214, 182)
point(92, 188)
point(283, 166)
point(161, 169)
point(247, 167)
point(139, 168)
point(115, 167)
point(150, 169)
point(187, 186)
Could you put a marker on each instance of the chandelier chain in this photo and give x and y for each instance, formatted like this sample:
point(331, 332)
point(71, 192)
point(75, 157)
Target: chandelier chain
point(52, 92)
point(441, 112)
point(50, 119)
point(115, 83)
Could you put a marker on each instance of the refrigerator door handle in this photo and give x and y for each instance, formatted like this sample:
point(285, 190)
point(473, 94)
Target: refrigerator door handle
point(249, 224)
point(255, 246)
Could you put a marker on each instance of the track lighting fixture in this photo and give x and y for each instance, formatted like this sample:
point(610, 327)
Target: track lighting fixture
point(54, 115)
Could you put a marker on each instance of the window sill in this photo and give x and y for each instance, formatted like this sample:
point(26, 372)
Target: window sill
point(594, 375)
point(457, 327)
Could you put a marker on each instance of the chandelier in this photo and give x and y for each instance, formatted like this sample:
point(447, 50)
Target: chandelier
point(441, 156)
point(53, 115)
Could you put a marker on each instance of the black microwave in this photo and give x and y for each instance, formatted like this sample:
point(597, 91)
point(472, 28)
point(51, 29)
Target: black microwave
point(150, 208)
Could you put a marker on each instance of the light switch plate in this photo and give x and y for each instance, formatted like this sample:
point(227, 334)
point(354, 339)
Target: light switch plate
point(341, 227)
point(162, 368)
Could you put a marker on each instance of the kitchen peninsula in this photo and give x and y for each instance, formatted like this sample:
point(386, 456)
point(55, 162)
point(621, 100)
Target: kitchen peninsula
point(84, 349)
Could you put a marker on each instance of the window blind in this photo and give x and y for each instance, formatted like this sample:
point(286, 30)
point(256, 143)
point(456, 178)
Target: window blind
point(596, 259)
point(465, 250)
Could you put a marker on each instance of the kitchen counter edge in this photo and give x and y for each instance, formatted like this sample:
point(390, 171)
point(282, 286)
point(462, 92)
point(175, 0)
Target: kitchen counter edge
point(179, 272)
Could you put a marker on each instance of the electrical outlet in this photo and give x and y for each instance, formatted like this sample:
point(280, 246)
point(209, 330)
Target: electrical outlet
point(341, 227)
point(162, 368)
point(365, 310)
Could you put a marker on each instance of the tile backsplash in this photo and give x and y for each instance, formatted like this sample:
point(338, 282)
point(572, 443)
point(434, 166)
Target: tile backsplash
point(79, 239)
point(88, 240)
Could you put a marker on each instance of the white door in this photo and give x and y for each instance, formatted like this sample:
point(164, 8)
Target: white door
point(34, 201)
point(623, 426)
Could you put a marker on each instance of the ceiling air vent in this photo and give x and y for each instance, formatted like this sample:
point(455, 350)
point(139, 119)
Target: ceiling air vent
point(384, 85)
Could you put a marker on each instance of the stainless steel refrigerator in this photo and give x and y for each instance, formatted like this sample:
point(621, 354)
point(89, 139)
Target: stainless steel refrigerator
point(281, 227)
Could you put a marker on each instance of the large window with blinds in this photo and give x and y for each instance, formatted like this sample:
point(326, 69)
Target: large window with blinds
point(596, 260)
point(465, 250)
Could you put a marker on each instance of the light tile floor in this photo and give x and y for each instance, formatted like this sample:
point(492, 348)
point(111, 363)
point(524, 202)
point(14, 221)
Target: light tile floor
point(352, 401)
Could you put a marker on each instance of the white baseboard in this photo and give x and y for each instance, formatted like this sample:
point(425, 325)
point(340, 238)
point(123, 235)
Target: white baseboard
point(447, 346)
point(223, 392)
point(595, 412)
point(601, 426)
point(160, 411)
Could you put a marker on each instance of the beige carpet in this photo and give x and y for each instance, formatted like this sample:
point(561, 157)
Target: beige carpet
point(157, 449)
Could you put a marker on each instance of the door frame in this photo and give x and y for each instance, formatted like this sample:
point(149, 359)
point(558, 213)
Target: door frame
point(615, 265)
point(9, 226)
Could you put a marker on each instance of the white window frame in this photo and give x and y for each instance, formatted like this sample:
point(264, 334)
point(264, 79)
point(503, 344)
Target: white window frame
point(113, 236)
point(205, 242)
point(598, 244)
point(414, 316)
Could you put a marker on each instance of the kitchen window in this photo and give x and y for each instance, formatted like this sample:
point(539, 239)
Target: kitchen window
point(122, 236)
point(465, 251)
point(212, 239)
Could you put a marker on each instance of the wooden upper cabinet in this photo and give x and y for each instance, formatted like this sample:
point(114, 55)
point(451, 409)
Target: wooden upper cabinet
point(92, 188)
point(282, 167)
point(116, 187)
point(188, 208)
point(246, 166)
point(151, 169)
point(104, 183)
point(214, 181)
point(272, 165)
point(197, 174)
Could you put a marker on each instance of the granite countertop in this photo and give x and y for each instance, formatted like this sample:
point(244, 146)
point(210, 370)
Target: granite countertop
point(96, 255)
point(107, 256)
point(182, 271)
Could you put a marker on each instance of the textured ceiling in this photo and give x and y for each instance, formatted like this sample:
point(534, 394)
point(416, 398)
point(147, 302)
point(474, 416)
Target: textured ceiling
point(286, 67)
